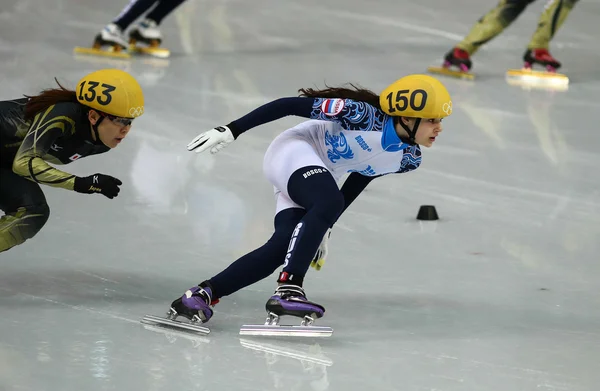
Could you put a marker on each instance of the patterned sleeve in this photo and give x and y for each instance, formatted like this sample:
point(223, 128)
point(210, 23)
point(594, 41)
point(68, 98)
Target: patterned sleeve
point(45, 128)
point(352, 115)
point(411, 159)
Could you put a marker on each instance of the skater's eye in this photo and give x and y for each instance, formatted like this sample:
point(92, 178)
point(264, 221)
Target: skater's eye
point(122, 121)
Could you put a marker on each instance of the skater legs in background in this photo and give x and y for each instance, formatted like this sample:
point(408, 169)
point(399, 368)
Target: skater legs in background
point(146, 32)
point(554, 15)
point(498, 19)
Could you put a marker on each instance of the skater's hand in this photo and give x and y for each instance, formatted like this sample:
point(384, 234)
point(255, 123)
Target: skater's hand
point(322, 251)
point(215, 140)
point(98, 183)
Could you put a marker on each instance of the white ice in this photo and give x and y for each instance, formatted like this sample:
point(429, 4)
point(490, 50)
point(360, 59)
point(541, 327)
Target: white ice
point(501, 294)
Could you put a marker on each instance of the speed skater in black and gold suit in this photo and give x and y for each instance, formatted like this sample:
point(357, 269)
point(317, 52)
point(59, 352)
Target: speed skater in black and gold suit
point(495, 21)
point(59, 126)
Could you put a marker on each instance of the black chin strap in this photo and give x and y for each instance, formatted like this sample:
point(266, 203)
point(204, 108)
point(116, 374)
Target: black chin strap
point(95, 129)
point(411, 133)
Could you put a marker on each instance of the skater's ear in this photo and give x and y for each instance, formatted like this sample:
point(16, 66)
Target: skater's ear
point(93, 116)
point(407, 120)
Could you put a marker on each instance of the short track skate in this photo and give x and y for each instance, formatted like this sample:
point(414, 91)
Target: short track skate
point(289, 300)
point(141, 45)
point(528, 78)
point(456, 64)
point(195, 325)
point(104, 48)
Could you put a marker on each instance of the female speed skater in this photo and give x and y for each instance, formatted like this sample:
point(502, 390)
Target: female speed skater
point(352, 131)
point(60, 126)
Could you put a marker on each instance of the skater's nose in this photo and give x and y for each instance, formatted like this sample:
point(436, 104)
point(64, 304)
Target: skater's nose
point(125, 129)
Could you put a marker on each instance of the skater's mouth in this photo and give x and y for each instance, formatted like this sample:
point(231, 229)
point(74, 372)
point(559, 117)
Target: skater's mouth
point(432, 139)
point(118, 139)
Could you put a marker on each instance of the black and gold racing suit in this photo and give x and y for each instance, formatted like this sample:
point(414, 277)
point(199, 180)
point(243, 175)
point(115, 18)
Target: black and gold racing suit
point(59, 135)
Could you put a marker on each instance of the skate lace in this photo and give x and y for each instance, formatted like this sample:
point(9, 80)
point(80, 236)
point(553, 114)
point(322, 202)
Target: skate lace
point(290, 291)
point(204, 295)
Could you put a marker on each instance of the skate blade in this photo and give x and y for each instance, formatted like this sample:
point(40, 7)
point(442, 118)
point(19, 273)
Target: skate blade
point(450, 72)
point(100, 52)
point(286, 331)
point(529, 78)
point(158, 321)
point(155, 52)
point(287, 352)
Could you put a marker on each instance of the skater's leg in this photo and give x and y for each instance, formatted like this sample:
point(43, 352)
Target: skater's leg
point(552, 18)
point(25, 208)
point(492, 24)
point(261, 262)
point(315, 189)
point(250, 268)
point(162, 9)
point(132, 11)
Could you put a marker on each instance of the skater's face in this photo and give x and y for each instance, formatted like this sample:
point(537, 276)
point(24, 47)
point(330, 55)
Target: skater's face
point(428, 130)
point(112, 130)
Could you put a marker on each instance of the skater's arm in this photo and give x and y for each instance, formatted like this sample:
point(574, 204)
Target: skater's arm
point(350, 114)
point(283, 107)
point(353, 186)
point(44, 130)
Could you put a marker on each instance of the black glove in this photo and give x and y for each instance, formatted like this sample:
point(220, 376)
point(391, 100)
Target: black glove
point(98, 183)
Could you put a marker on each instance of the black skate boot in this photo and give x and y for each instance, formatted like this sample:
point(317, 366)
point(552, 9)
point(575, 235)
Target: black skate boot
point(111, 36)
point(146, 38)
point(458, 58)
point(195, 304)
point(455, 58)
point(146, 32)
point(290, 300)
point(541, 57)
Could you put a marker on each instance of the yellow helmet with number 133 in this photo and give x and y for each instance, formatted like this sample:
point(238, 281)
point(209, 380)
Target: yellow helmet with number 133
point(111, 91)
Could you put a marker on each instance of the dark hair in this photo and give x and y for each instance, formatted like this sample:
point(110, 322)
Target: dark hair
point(47, 98)
point(355, 93)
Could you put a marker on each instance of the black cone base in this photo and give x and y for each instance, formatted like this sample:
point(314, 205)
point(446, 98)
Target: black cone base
point(427, 212)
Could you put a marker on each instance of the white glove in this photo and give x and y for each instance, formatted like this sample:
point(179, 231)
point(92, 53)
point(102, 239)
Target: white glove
point(215, 139)
point(321, 254)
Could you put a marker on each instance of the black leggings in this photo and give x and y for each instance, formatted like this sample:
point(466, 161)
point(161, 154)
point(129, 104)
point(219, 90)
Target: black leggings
point(137, 7)
point(25, 208)
point(298, 234)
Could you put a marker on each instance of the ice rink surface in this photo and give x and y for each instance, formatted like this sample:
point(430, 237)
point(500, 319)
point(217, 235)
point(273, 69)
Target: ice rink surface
point(501, 294)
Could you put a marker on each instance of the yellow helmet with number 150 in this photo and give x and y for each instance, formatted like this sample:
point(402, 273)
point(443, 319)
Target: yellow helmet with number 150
point(417, 96)
point(112, 91)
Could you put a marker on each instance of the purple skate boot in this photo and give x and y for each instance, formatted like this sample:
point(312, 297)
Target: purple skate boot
point(290, 300)
point(195, 305)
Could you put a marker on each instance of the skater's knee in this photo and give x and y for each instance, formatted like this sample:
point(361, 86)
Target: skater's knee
point(16, 227)
point(512, 9)
point(330, 207)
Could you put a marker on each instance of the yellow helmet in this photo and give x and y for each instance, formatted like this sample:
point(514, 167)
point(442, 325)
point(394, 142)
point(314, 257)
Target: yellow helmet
point(418, 96)
point(112, 91)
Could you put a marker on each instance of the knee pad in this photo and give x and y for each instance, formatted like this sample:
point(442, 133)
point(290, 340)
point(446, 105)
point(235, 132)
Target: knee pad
point(32, 219)
point(16, 228)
